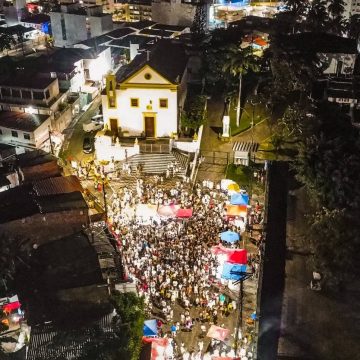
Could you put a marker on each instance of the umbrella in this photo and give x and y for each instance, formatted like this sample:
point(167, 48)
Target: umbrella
point(150, 328)
point(233, 187)
point(184, 213)
point(229, 236)
point(239, 199)
point(218, 333)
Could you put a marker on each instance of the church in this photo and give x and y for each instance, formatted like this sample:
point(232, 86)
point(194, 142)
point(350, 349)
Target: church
point(142, 100)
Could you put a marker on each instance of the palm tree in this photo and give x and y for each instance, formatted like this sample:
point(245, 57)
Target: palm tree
point(317, 17)
point(337, 21)
point(240, 62)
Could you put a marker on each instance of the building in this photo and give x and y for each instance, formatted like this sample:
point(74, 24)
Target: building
point(132, 10)
point(40, 22)
point(23, 129)
point(73, 23)
point(143, 98)
point(175, 12)
point(32, 103)
point(23, 215)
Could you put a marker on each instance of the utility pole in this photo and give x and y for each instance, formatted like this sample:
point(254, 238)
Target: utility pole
point(243, 276)
point(51, 144)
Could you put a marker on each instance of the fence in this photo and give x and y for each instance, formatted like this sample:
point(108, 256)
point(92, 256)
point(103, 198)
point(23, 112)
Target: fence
point(217, 157)
point(155, 148)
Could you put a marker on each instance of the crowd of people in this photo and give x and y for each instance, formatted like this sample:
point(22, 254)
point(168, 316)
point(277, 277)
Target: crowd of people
point(170, 260)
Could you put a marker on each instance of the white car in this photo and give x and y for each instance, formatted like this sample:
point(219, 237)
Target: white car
point(96, 123)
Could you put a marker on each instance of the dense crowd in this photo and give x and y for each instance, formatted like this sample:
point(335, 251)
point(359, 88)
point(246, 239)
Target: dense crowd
point(170, 260)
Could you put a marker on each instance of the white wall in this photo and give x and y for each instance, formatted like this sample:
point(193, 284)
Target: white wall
point(36, 137)
point(132, 119)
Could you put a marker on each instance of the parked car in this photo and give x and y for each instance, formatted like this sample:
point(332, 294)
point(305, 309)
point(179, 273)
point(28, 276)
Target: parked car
point(96, 123)
point(88, 145)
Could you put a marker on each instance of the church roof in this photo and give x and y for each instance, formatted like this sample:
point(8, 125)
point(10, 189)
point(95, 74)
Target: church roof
point(167, 57)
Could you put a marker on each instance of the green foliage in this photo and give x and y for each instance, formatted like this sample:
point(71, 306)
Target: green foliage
point(193, 116)
point(336, 242)
point(6, 42)
point(198, 27)
point(130, 308)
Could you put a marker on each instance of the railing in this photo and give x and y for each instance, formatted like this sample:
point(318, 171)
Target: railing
point(155, 148)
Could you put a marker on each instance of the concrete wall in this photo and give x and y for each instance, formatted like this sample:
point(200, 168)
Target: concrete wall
point(42, 228)
point(173, 12)
point(75, 28)
point(36, 137)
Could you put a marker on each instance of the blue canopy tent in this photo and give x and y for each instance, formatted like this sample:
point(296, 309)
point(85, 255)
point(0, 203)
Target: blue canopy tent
point(230, 271)
point(150, 328)
point(229, 236)
point(239, 199)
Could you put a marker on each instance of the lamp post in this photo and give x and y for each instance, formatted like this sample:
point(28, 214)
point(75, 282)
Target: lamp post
point(243, 276)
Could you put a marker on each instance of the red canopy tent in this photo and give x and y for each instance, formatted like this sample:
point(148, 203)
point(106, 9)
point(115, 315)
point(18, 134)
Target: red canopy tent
point(234, 256)
point(8, 308)
point(218, 333)
point(184, 213)
point(158, 347)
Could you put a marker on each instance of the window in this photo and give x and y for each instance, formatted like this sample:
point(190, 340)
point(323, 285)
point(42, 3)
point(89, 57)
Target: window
point(14, 134)
point(134, 102)
point(26, 136)
point(1, 132)
point(15, 93)
point(147, 76)
point(112, 103)
point(163, 103)
point(63, 27)
point(6, 92)
point(38, 95)
point(26, 94)
point(47, 94)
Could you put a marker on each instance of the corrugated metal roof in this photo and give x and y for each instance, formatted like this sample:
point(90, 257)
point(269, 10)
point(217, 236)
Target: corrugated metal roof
point(48, 342)
point(245, 146)
point(57, 185)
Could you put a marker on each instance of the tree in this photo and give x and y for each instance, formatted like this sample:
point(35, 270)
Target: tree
point(198, 27)
point(239, 62)
point(337, 23)
point(193, 116)
point(297, 8)
point(130, 308)
point(317, 16)
point(6, 41)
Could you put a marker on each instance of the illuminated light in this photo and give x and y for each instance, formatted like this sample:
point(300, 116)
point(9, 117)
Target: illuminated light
point(30, 110)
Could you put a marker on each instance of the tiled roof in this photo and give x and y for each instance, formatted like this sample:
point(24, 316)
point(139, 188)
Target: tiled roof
point(57, 185)
point(21, 121)
point(167, 57)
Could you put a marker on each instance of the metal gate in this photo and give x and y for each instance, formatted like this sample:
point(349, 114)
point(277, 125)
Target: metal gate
point(216, 157)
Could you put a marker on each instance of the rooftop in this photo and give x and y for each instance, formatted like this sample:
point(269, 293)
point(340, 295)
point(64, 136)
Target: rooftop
point(36, 19)
point(138, 25)
point(24, 79)
point(12, 30)
point(131, 39)
point(169, 27)
point(22, 202)
point(157, 32)
point(57, 185)
point(33, 158)
point(167, 57)
point(44, 341)
point(21, 121)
